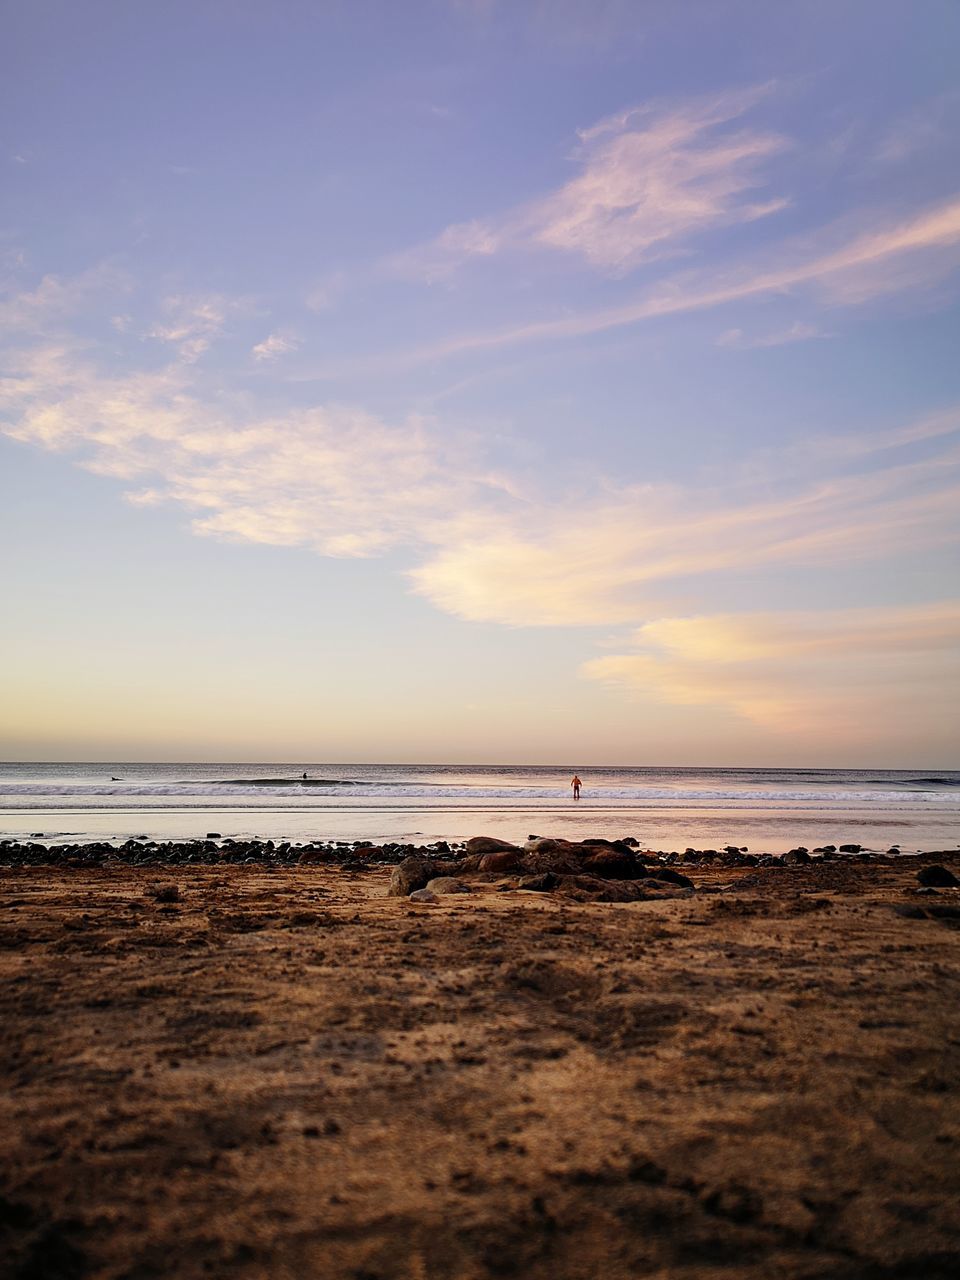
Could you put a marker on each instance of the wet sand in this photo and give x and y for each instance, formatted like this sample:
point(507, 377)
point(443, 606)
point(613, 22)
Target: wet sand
point(285, 1073)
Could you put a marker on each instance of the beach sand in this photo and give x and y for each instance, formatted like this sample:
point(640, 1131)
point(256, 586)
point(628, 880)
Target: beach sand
point(286, 1073)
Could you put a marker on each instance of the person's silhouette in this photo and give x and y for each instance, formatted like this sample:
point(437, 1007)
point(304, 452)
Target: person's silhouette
point(576, 784)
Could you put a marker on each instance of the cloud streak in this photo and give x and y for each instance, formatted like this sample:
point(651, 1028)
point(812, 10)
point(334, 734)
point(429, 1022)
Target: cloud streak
point(334, 479)
point(649, 179)
point(275, 345)
point(840, 671)
point(191, 324)
point(799, 331)
point(913, 252)
point(489, 547)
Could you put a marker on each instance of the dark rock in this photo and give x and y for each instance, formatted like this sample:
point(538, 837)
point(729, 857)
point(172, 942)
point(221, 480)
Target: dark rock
point(169, 893)
point(610, 864)
point(490, 844)
point(310, 857)
point(850, 848)
point(501, 862)
point(795, 857)
point(593, 889)
point(937, 877)
point(447, 884)
point(667, 875)
point(214, 835)
point(410, 875)
point(558, 856)
point(538, 884)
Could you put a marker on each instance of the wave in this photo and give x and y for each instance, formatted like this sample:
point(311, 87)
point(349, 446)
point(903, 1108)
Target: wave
point(294, 789)
point(279, 782)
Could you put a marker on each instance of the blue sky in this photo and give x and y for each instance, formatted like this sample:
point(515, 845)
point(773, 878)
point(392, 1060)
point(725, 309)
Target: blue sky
point(480, 381)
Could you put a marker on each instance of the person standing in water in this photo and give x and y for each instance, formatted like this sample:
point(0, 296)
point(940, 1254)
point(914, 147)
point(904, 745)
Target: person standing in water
point(576, 784)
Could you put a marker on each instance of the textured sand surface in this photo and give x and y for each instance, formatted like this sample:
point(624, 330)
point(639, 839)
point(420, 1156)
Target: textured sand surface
point(288, 1074)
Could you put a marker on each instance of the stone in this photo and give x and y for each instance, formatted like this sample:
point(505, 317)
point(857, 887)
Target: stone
point(610, 864)
point(447, 884)
point(169, 893)
point(538, 884)
point(795, 857)
point(558, 856)
point(937, 877)
point(593, 889)
point(661, 889)
point(667, 875)
point(214, 835)
point(490, 844)
point(501, 862)
point(850, 848)
point(536, 844)
point(424, 896)
point(312, 856)
point(410, 875)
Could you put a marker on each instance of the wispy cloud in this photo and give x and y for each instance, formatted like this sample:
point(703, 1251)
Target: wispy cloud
point(335, 479)
point(799, 331)
point(925, 127)
point(191, 324)
point(276, 344)
point(909, 253)
point(489, 547)
point(612, 557)
point(649, 179)
point(54, 299)
point(847, 671)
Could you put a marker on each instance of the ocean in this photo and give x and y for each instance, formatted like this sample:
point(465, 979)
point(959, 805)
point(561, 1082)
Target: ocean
point(766, 810)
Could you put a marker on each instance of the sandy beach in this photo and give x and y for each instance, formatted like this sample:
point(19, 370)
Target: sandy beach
point(285, 1072)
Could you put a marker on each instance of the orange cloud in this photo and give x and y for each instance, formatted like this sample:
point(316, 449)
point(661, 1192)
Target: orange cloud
point(801, 672)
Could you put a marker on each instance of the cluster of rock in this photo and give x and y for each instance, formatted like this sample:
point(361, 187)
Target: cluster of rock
point(353, 854)
point(607, 860)
point(587, 870)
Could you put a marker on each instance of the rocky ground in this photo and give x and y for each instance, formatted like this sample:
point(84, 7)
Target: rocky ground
point(270, 1066)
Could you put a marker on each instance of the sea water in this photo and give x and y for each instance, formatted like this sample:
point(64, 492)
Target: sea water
point(664, 808)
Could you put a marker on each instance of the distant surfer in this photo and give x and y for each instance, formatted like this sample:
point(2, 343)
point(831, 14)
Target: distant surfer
point(304, 776)
point(576, 784)
point(116, 779)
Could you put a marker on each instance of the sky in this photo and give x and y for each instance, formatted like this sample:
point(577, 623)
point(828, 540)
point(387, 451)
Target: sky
point(481, 381)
